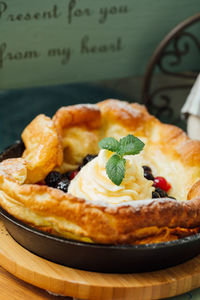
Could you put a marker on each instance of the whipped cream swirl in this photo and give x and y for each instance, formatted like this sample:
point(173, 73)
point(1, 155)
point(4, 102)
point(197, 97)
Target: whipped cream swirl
point(93, 184)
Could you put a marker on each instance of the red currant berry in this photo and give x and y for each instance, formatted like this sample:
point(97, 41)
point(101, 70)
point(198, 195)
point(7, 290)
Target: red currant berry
point(168, 186)
point(73, 174)
point(161, 182)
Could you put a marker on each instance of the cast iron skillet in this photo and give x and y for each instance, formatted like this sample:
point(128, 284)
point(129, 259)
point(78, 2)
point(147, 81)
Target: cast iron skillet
point(97, 257)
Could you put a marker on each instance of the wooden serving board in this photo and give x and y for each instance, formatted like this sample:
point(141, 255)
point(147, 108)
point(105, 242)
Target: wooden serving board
point(97, 286)
point(13, 288)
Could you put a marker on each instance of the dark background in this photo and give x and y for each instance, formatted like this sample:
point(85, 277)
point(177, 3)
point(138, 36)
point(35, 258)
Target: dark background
point(19, 107)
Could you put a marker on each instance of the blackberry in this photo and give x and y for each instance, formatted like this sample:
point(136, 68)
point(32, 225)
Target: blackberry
point(158, 193)
point(161, 192)
point(148, 173)
point(63, 185)
point(148, 176)
point(88, 158)
point(53, 178)
point(155, 195)
point(66, 175)
point(147, 169)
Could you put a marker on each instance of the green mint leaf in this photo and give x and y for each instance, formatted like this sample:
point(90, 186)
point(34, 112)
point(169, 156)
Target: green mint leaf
point(115, 169)
point(109, 143)
point(130, 145)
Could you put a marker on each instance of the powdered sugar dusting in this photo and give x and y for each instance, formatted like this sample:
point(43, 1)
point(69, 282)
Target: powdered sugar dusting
point(123, 105)
point(88, 105)
point(135, 203)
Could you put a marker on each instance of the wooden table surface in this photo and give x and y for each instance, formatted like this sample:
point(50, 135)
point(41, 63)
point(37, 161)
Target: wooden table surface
point(16, 289)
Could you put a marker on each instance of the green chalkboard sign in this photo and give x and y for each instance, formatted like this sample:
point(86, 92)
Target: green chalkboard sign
point(51, 42)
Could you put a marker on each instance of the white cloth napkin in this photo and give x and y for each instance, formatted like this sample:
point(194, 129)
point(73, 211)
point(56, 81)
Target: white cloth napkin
point(191, 111)
point(192, 104)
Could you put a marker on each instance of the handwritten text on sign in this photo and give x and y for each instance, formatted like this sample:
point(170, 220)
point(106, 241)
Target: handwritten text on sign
point(71, 14)
point(50, 42)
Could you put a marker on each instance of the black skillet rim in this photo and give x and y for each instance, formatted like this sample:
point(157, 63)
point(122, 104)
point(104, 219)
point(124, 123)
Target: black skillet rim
point(169, 244)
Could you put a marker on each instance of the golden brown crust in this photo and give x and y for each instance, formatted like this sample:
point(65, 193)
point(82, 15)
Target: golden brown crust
point(43, 149)
point(77, 127)
point(140, 221)
point(179, 144)
point(76, 115)
point(194, 191)
point(108, 224)
point(132, 116)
